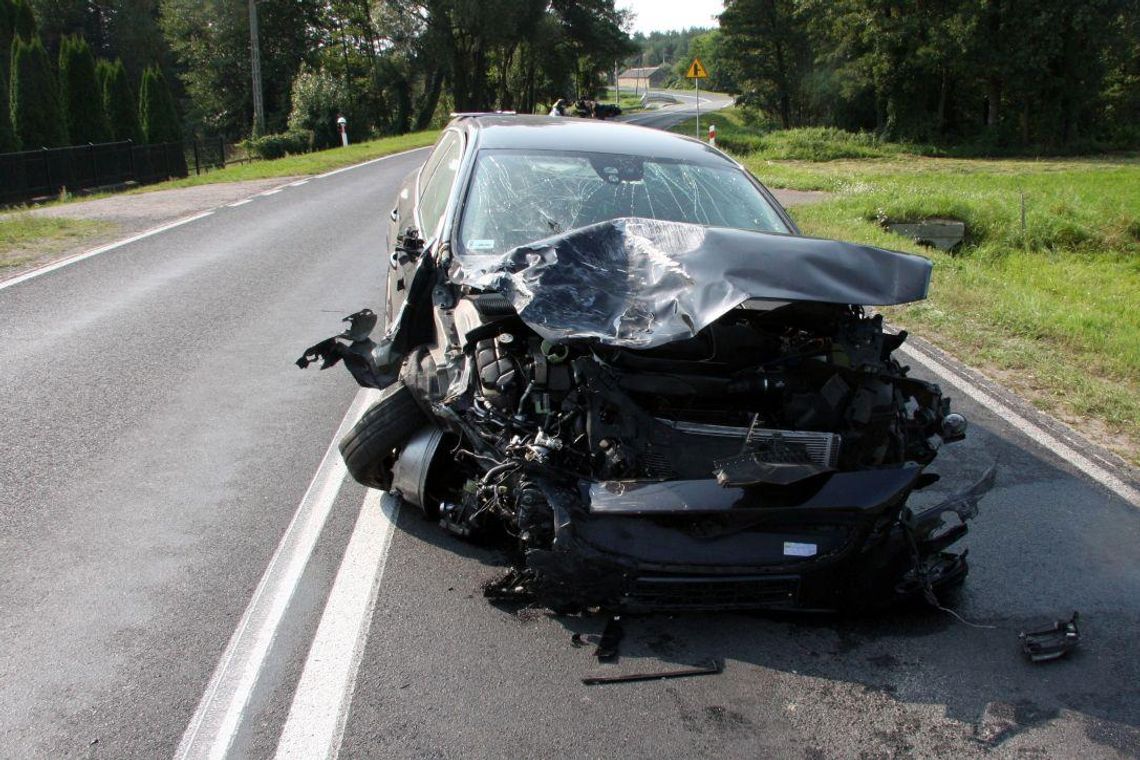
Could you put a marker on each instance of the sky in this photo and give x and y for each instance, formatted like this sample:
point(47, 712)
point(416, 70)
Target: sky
point(663, 15)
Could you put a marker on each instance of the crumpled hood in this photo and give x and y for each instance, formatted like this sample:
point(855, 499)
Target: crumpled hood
point(642, 283)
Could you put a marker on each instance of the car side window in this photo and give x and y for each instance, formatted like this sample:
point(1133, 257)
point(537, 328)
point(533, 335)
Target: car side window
point(435, 185)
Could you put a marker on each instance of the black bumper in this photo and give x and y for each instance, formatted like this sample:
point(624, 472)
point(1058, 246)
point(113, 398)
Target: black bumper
point(841, 544)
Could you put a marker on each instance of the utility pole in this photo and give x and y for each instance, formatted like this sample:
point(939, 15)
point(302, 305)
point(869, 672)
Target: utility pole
point(255, 68)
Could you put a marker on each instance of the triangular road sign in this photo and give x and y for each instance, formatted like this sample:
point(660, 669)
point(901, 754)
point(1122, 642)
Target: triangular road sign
point(697, 70)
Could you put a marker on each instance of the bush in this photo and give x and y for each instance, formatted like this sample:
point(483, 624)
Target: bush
point(291, 143)
point(8, 140)
point(119, 102)
point(318, 98)
point(157, 114)
point(36, 117)
point(79, 93)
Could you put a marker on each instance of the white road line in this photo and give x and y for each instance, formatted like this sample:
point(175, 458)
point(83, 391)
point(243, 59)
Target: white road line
point(298, 183)
point(219, 715)
point(1038, 435)
point(96, 251)
point(370, 161)
point(317, 716)
point(242, 202)
point(274, 191)
point(177, 223)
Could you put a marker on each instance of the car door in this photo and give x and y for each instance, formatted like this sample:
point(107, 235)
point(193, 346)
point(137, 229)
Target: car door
point(407, 221)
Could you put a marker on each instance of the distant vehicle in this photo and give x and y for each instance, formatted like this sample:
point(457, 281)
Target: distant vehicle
point(592, 109)
point(610, 347)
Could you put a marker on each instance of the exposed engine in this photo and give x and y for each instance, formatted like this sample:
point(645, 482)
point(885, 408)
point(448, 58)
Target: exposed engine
point(760, 397)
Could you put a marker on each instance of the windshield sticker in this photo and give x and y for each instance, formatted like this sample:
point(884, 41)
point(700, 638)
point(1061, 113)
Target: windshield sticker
point(793, 549)
point(480, 245)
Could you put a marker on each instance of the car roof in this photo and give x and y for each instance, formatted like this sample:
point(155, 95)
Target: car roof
point(527, 132)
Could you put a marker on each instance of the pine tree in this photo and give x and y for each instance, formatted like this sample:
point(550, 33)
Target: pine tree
point(7, 31)
point(80, 96)
point(119, 102)
point(157, 115)
point(23, 20)
point(8, 140)
point(34, 98)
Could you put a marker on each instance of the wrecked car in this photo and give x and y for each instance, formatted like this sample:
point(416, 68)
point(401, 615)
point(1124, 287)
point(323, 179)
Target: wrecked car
point(611, 346)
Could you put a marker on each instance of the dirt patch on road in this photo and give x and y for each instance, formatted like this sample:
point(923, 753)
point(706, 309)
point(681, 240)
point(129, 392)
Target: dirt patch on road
point(120, 216)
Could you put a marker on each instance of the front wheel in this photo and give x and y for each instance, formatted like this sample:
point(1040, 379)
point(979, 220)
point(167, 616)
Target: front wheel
point(371, 446)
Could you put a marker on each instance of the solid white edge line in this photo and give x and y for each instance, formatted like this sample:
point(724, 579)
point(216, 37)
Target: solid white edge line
point(218, 717)
point(101, 249)
point(178, 223)
point(315, 726)
point(1035, 433)
point(274, 191)
point(369, 161)
point(298, 183)
point(242, 202)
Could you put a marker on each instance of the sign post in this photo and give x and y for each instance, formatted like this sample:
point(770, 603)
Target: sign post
point(697, 72)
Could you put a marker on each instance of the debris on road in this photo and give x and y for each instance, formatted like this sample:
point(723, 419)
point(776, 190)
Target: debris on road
point(1051, 643)
point(713, 667)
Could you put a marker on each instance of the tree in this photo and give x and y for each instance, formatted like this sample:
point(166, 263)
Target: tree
point(23, 20)
point(210, 40)
point(8, 140)
point(34, 98)
point(767, 49)
point(157, 114)
point(319, 97)
point(80, 94)
point(119, 102)
point(7, 31)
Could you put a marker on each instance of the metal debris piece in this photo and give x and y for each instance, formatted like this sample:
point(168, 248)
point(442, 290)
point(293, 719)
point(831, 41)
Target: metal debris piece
point(1051, 643)
point(612, 634)
point(510, 587)
point(711, 668)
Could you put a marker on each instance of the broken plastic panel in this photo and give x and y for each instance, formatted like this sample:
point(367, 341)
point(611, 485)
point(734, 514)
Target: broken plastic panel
point(642, 283)
point(1051, 643)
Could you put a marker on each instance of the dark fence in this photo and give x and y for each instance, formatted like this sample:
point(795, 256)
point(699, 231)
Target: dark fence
point(45, 173)
point(206, 153)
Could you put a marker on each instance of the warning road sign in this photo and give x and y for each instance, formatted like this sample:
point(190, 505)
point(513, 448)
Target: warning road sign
point(697, 70)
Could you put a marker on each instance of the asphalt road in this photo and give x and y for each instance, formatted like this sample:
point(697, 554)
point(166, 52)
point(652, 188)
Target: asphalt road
point(185, 570)
point(687, 107)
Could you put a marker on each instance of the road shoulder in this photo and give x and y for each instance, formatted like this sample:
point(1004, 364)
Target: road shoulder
point(121, 216)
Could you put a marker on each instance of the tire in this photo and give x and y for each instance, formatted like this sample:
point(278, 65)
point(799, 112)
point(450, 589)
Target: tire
point(370, 448)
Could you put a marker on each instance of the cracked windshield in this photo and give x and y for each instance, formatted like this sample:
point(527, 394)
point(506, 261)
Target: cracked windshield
point(517, 197)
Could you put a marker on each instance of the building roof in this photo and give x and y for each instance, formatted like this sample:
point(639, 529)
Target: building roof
point(640, 72)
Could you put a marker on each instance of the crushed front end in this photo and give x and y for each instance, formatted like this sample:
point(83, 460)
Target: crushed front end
point(655, 428)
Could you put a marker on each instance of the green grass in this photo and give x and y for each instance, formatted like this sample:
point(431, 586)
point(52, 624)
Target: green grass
point(24, 238)
point(737, 135)
point(629, 102)
point(1048, 308)
point(307, 163)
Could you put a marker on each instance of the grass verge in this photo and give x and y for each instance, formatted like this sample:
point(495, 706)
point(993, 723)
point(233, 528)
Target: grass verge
point(304, 164)
point(25, 239)
point(629, 102)
point(1043, 294)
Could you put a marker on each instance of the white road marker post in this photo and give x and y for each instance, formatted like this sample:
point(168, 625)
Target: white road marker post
point(712, 135)
point(342, 125)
